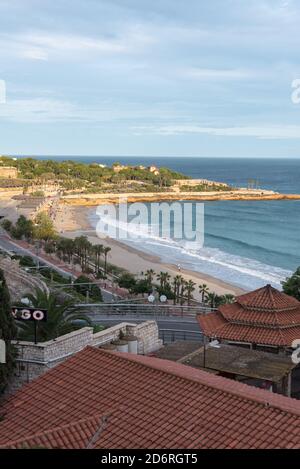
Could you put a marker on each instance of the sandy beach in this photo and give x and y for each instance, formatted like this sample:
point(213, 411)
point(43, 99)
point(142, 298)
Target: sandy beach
point(72, 221)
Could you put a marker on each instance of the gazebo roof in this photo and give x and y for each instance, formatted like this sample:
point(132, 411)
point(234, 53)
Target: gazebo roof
point(268, 298)
point(265, 316)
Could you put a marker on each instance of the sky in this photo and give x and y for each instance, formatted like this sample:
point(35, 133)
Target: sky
point(150, 77)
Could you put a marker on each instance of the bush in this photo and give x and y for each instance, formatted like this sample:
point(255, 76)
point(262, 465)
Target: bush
point(7, 225)
point(56, 276)
point(142, 286)
point(27, 261)
point(94, 290)
point(126, 280)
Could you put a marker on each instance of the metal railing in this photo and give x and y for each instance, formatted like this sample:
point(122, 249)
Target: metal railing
point(170, 335)
point(143, 310)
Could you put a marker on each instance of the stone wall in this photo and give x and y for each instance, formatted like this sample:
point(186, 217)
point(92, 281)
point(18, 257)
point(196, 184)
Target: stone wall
point(35, 359)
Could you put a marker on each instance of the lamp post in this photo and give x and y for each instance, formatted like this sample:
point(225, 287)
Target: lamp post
point(26, 301)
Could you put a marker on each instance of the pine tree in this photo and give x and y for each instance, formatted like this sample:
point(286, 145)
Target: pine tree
point(7, 332)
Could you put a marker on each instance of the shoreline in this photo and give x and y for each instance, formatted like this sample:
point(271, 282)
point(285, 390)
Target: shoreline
point(73, 221)
point(82, 200)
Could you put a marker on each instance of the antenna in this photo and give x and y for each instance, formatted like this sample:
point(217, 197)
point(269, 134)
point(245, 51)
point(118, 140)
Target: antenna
point(100, 428)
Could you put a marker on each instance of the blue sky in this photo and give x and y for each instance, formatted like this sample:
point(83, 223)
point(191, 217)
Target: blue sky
point(158, 78)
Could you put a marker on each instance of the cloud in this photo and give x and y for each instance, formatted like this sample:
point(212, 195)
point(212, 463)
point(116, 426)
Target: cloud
point(271, 132)
point(43, 45)
point(218, 74)
point(53, 110)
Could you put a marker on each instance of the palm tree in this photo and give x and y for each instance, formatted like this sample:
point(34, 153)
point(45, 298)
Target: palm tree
point(212, 299)
point(62, 317)
point(203, 290)
point(176, 284)
point(66, 248)
point(106, 251)
point(163, 278)
point(190, 288)
point(149, 276)
point(83, 248)
point(182, 286)
point(98, 250)
point(228, 298)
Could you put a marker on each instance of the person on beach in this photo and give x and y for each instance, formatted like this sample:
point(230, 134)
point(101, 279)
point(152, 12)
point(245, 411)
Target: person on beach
point(179, 267)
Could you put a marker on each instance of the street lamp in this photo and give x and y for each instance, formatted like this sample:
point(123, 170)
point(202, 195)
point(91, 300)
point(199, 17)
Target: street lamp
point(151, 298)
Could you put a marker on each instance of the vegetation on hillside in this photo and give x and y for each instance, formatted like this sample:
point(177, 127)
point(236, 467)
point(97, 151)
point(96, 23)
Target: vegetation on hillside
point(291, 286)
point(93, 177)
point(8, 332)
point(214, 187)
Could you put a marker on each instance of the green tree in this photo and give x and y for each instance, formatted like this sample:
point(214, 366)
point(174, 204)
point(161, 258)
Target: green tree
point(97, 250)
point(203, 290)
point(23, 228)
point(227, 298)
point(149, 275)
point(8, 332)
point(291, 286)
point(62, 317)
point(44, 228)
point(106, 251)
point(176, 286)
point(212, 299)
point(83, 248)
point(7, 225)
point(126, 280)
point(92, 290)
point(190, 288)
point(163, 278)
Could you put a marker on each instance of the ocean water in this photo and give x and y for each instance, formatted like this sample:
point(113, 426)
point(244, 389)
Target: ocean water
point(246, 243)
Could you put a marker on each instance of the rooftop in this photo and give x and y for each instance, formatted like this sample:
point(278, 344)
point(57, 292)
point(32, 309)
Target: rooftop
point(229, 359)
point(265, 316)
point(102, 399)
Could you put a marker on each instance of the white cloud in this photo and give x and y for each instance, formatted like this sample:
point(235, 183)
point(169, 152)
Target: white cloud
point(270, 132)
point(48, 109)
point(218, 74)
point(43, 45)
point(34, 53)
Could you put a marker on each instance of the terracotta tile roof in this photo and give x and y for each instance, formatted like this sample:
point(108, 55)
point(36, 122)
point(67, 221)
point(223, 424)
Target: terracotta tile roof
point(268, 298)
point(237, 313)
point(214, 325)
point(112, 400)
point(265, 316)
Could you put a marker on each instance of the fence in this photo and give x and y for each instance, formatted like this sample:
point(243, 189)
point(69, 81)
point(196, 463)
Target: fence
point(143, 310)
point(172, 335)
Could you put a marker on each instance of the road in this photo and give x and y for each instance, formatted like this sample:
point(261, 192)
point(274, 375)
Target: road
point(8, 246)
point(188, 327)
point(182, 328)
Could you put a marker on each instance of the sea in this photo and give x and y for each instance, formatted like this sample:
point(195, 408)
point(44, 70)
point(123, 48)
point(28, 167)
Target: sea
point(246, 243)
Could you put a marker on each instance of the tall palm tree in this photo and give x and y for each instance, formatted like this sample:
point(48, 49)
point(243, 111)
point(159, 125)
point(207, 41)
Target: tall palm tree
point(182, 285)
point(214, 300)
point(98, 250)
point(228, 298)
point(106, 251)
point(190, 288)
point(150, 276)
point(163, 278)
point(62, 317)
point(203, 290)
point(83, 248)
point(176, 286)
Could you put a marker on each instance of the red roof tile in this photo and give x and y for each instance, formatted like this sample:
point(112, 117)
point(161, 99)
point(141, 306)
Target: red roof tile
point(214, 325)
point(268, 298)
point(237, 313)
point(265, 316)
point(112, 400)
